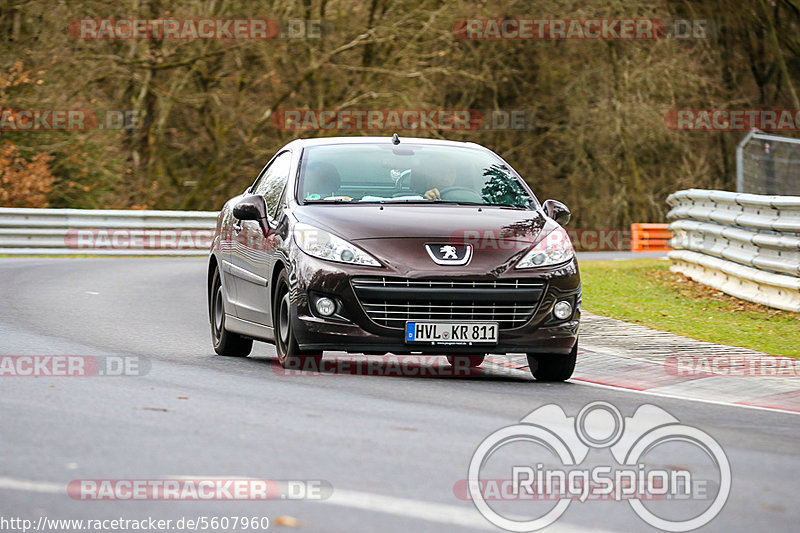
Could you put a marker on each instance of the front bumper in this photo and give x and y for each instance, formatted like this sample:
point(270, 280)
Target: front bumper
point(356, 332)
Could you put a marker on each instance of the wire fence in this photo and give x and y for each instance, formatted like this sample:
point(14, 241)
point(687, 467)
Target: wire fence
point(768, 164)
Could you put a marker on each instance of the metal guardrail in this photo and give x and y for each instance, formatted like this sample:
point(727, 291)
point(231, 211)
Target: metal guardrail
point(746, 245)
point(105, 232)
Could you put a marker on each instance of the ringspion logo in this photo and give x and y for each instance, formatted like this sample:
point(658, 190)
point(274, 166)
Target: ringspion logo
point(525, 467)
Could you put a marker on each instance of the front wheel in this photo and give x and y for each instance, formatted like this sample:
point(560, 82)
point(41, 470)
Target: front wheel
point(225, 342)
point(288, 351)
point(551, 367)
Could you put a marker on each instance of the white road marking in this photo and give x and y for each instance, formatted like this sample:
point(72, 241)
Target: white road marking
point(8, 483)
point(728, 388)
point(465, 516)
point(578, 381)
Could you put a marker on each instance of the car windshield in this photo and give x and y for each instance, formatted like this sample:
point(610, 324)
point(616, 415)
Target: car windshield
point(408, 173)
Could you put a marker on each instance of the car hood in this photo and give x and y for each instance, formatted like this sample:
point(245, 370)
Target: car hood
point(453, 222)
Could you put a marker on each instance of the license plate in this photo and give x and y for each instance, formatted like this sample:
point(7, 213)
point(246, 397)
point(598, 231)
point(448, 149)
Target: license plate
point(451, 333)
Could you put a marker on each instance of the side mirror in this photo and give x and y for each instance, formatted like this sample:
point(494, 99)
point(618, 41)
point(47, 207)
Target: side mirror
point(253, 207)
point(557, 211)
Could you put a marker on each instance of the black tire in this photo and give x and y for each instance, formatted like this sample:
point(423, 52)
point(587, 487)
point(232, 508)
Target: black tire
point(225, 342)
point(289, 354)
point(551, 367)
point(471, 361)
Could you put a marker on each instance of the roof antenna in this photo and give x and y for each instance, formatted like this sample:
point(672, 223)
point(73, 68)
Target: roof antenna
point(395, 139)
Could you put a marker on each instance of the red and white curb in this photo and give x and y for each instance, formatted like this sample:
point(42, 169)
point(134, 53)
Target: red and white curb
point(629, 357)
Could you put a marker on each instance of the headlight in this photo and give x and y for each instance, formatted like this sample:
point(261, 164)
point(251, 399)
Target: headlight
point(325, 245)
point(553, 249)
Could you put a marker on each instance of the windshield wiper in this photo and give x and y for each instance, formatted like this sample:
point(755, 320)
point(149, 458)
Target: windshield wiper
point(333, 201)
point(426, 201)
point(512, 206)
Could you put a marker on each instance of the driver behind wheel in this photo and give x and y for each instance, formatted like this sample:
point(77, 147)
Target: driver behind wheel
point(443, 179)
point(322, 180)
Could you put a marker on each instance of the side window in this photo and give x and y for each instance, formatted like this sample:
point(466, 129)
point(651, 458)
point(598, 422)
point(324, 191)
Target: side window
point(271, 184)
point(278, 210)
point(258, 181)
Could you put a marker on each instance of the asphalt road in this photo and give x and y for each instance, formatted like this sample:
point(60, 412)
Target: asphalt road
point(392, 448)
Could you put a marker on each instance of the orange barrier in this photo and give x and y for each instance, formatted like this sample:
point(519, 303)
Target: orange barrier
point(650, 238)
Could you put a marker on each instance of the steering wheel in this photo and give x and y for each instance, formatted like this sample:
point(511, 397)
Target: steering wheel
point(405, 175)
point(459, 194)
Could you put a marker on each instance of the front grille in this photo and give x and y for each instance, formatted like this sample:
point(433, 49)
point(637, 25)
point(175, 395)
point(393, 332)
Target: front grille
point(391, 302)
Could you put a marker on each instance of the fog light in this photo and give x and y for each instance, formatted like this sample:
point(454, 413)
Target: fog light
point(325, 306)
point(562, 309)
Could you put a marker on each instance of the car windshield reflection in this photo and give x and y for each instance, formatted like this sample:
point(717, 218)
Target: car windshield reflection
point(413, 174)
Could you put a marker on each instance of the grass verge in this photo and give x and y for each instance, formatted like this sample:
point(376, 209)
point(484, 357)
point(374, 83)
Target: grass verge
point(645, 292)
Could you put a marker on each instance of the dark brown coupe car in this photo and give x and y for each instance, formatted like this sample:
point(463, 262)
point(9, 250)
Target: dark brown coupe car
point(394, 245)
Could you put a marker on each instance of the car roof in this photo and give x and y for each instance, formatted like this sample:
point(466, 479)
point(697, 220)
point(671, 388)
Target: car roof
point(322, 141)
